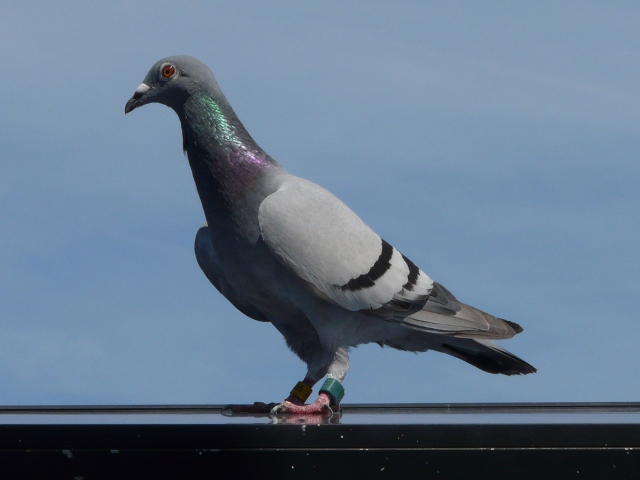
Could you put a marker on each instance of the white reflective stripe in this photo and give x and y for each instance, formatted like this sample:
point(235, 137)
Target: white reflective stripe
point(142, 89)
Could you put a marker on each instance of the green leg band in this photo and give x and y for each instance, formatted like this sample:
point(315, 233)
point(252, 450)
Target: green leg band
point(334, 389)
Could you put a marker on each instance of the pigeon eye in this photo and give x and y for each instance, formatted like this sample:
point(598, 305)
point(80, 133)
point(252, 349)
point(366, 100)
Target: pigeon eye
point(168, 71)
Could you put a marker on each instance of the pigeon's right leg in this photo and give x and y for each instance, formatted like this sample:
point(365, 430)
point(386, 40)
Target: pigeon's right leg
point(331, 393)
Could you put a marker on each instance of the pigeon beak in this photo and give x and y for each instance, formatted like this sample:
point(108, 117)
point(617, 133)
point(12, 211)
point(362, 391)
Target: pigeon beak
point(135, 101)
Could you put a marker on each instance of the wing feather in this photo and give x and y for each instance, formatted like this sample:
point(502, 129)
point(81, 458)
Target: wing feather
point(329, 246)
point(444, 314)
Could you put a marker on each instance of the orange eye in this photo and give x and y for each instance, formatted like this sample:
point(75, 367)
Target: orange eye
point(168, 71)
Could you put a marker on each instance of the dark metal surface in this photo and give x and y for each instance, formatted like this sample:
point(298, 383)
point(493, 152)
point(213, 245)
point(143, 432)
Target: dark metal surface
point(242, 436)
point(356, 408)
point(322, 464)
point(448, 441)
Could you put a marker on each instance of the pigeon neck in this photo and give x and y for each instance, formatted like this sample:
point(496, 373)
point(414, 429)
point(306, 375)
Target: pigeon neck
point(226, 162)
point(214, 133)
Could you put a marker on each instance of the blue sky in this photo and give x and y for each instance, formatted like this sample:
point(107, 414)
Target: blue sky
point(494, 144)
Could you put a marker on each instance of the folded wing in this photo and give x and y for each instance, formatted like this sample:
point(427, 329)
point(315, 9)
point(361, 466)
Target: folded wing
point(326, 244)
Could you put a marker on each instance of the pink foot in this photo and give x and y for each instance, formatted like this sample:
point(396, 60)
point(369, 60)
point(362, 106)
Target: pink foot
point(321, 405)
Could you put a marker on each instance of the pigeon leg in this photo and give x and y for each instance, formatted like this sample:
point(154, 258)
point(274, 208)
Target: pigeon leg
point(328, 400)
point(294, 403)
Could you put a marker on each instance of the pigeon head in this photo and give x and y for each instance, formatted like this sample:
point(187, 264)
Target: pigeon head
point(171, 81)
point(211, 130)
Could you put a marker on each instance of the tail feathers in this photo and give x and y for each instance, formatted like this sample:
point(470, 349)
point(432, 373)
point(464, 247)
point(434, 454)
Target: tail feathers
point(487, 356)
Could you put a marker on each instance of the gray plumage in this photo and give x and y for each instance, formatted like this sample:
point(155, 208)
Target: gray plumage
point(284, 250)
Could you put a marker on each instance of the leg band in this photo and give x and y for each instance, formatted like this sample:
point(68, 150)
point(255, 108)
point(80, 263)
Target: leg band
point(301, 391)
point(334, 389)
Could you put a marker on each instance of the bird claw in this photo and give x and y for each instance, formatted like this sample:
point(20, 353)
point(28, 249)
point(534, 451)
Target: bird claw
point(280, 407)
point(320, 406)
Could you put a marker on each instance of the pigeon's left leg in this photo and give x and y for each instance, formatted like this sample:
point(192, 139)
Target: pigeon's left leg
point(331, 392)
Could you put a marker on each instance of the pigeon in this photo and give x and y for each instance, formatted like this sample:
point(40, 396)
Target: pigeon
point(284, 250)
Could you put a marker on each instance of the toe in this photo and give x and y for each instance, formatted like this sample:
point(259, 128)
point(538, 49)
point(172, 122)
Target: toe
point(321, 405)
